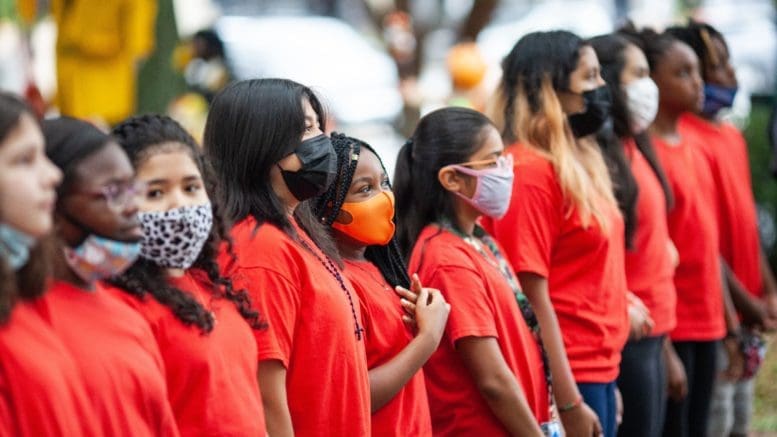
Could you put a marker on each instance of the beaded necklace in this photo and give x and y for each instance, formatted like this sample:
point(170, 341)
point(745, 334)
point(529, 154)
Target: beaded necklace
point(330, 267)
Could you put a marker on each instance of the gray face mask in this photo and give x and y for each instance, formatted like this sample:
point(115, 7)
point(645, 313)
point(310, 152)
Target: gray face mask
point(174, 238)
point(494, 187)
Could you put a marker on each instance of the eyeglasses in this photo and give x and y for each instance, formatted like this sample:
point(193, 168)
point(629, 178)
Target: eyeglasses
point(117, 195)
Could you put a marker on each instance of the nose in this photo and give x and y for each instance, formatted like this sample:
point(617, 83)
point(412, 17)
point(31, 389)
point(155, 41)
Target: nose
point(176, 199)
point(53, 175)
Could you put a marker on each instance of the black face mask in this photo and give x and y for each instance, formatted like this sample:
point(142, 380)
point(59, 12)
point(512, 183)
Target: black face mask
point(318, 171)
point(597, 111)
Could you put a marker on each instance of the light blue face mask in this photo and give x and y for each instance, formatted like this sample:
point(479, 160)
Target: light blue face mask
point(15, 246)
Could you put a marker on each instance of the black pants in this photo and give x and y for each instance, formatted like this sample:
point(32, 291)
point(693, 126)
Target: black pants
point(688, 418)
point(642, 382)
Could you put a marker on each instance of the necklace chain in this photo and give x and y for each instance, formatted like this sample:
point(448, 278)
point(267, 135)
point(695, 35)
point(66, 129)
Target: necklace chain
point(330, 267)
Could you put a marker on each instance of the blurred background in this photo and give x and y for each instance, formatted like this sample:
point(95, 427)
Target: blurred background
point(377, 64)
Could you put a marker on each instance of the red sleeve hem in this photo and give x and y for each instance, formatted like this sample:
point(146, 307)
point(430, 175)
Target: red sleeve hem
point(475, 331)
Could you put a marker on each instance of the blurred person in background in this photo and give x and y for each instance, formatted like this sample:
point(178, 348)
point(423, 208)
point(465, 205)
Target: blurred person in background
point(644, 197)
point(563, 232)
point(99, 46)
point(752, 283)
point(98, 236)
point(702, 311)
point(42, 390)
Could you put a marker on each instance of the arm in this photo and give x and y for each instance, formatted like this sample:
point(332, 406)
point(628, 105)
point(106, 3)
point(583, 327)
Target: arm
point(498, 385)
point(731, 342)
point(581, 420)
point(431, 313)
point(272, 383)
point(752, 311)
point(770, 293)
point(676, 380)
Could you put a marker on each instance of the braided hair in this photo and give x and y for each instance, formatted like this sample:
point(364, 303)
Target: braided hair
point(388, 258)
point(142, 137)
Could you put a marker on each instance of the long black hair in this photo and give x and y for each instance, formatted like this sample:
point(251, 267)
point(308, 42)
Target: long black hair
point(30, 281)
point(388, 259)
point(142, 137)
point(251, 126)
point(443, 137)
point(611, 51)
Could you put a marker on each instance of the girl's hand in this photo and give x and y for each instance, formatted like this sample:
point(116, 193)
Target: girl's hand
point(639, 318)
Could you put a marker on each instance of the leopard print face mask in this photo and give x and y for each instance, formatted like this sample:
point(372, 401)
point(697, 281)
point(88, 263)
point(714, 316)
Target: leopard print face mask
point(174, 239)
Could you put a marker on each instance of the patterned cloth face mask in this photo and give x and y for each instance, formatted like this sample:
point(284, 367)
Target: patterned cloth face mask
point(100, 258)
point(175, 238)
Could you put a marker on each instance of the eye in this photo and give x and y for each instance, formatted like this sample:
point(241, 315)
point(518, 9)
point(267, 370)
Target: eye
point(26, 158)
point(193, 188)
point(154, 193)
point(385, 183)
point(366, 188)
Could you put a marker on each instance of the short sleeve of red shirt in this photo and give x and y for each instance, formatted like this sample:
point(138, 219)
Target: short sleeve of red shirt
point(482, 305)
point(583, 263)
point(311, 327)
point(385, 336)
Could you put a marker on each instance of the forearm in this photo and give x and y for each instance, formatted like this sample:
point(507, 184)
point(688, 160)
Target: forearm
point(388, 379)
point(564, 385)
point(508, 403)
point(769, 283)
point(730, 313)
point(272, 383)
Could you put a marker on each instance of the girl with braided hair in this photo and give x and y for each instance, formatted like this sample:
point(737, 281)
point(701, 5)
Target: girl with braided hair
point(42, 392)
point(750, 278)
point(201, 322)
point(265, 139)
point(564, 232)
point(359, 209)
point(489, 375)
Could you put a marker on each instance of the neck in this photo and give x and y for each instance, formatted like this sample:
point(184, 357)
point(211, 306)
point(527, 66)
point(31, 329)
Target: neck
point(63, 272)
point(349, 250)
point(465, 216)
point(665, 125)
point(175, 273)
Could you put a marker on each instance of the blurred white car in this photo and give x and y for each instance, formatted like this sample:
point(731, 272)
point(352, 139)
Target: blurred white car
point(357, 81)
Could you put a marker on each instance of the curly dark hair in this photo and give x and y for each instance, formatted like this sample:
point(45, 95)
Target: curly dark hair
point(388, 259)
point(141, 137)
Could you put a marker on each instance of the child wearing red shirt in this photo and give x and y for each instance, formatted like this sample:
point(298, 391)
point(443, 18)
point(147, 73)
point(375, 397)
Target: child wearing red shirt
point(359, 208)
point(201, 323)
point(489, 374)
point(266, 142)
point(42, 391)
point(563, 231)
point(98, 237)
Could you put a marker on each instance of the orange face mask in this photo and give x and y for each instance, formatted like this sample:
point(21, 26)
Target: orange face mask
point(372, 221)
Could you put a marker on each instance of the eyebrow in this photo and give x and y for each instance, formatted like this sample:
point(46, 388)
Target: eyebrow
point(361, 179)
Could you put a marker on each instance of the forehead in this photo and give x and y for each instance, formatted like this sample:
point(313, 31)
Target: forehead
point(680, 53)
point(107, 163)
point(587, 58)
point(167, 164)
point(634, 55)
point(368, 163)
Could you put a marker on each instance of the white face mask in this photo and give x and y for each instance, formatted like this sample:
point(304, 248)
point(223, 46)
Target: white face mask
point(642, 103)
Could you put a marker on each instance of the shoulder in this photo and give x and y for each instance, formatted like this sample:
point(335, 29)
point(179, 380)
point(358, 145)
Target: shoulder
point(438, 248)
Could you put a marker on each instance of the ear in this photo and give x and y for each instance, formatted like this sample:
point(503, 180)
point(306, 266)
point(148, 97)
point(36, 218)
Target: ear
point(450, 179)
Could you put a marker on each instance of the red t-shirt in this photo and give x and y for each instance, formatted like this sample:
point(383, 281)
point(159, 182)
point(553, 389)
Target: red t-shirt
point(740, 242)
point(211, 378)
point(694, 229)
point(118, 356)
point(482, 305)
point(42, 392)
point(649, 269)
point(584, 266)
point(311, 328)
point(385, 336)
